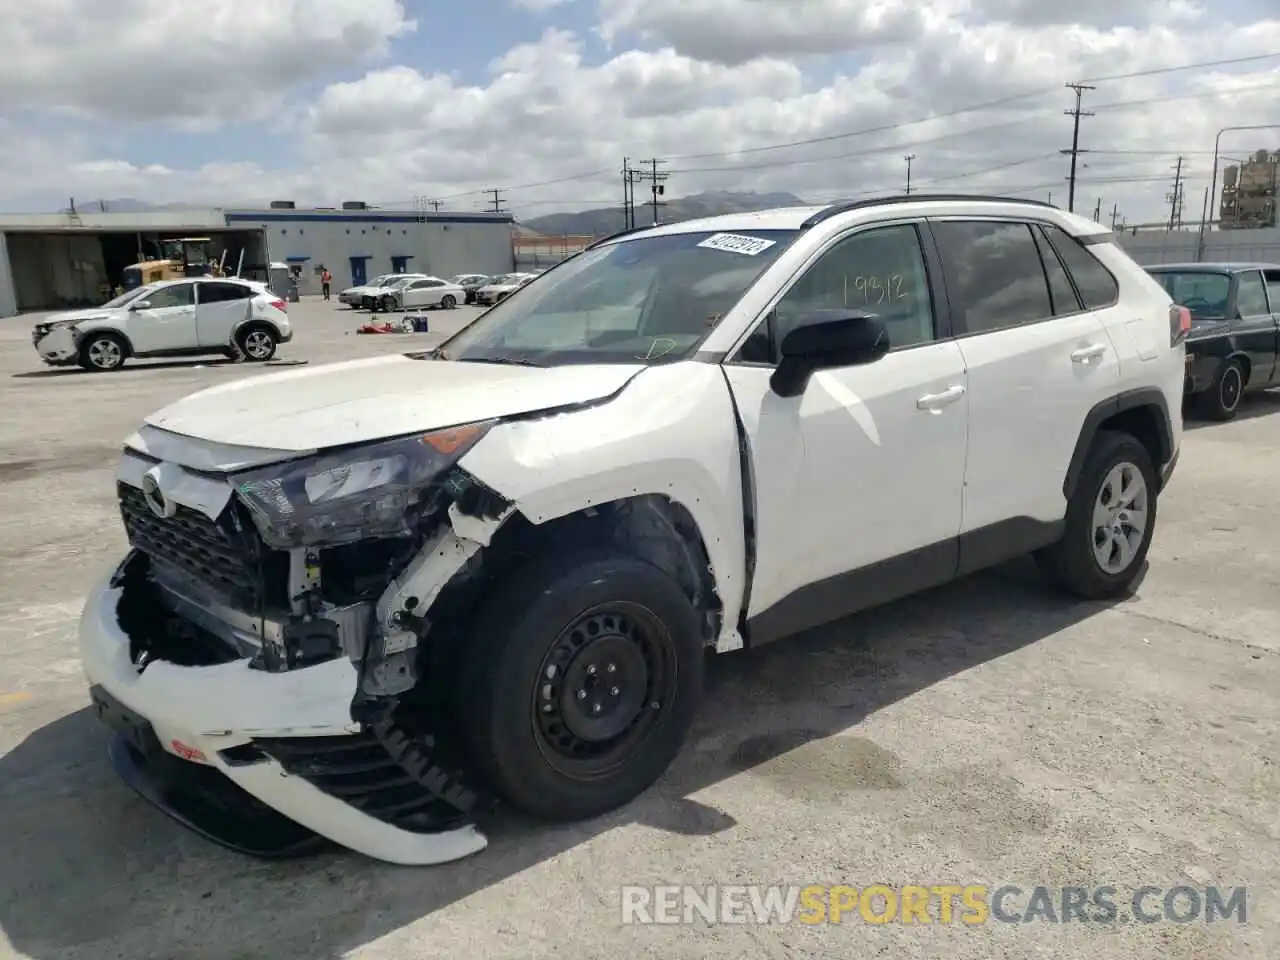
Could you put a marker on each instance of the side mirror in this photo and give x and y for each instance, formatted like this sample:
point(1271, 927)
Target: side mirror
point(140, 305)
point(824, 341)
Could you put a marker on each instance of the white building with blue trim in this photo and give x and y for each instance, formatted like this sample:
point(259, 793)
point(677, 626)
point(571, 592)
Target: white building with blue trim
point(62, 261)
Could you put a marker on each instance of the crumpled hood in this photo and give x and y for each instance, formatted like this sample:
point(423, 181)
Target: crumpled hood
point(364, 400)
point(91, 313)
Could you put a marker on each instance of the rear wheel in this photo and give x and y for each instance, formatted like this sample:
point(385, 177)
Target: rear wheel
point(1109, 523)
point(258, 344)
point(1222, 399)
point(449, 301)
point(582, 678)
point(102, 352)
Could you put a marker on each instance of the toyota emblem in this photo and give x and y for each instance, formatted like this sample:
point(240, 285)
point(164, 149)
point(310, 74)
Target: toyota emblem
point(157, 502)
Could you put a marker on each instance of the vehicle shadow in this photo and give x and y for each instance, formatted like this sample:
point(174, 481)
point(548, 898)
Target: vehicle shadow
point(138, 366)
point(1252, 406)
point(89, 862)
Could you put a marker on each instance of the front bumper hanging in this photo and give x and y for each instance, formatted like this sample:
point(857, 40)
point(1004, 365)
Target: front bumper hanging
point(269, 764)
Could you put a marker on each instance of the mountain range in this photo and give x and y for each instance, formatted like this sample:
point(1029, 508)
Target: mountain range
point(606, 220)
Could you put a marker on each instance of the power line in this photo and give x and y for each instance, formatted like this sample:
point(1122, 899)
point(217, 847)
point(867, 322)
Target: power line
point(974, 108)
point(885, 128)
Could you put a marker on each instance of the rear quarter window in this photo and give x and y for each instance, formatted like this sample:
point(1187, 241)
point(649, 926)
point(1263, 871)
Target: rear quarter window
point(1094, 282)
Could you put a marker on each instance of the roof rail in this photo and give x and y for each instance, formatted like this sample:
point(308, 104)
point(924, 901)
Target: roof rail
point(826, 213)
point(615, 236)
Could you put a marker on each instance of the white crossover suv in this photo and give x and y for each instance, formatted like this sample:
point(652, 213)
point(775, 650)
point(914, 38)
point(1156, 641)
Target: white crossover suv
point(172, 318)
point(364, 599)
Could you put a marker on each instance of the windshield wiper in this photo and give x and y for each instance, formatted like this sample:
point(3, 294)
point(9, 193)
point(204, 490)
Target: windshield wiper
point(514, 361)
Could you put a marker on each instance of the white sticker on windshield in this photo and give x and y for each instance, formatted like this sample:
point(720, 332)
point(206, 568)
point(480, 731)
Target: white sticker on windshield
point(734, 243)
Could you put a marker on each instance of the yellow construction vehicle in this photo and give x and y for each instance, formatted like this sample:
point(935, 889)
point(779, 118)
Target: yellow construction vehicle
point(184, 257)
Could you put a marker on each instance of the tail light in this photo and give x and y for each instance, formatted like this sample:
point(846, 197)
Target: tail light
point(1179, 324)
point(280, 305)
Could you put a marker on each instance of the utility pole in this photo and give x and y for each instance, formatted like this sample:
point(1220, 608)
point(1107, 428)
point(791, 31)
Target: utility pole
point(1175, 198)
point(1075, 150)
point(1097, 211)
point(627, 220)
point(657, 186)
point(909, 157)
point(496, 201)
point(435, 205)
point(1115, 217)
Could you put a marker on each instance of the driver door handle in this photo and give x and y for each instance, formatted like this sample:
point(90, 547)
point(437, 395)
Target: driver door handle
point(1089, 354)
point(934, 402)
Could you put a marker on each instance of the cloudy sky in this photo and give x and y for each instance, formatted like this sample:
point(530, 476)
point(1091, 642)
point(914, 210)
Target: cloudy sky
point(320, 101)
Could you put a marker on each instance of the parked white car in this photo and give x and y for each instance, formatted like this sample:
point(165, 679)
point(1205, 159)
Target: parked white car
point(375, 594)
point(172, 318)
point(383, 297)
point(421, 292)
point(501, 287)
point(353, 297)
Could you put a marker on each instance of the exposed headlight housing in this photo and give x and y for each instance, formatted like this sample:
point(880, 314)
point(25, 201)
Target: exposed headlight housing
point(360, 493)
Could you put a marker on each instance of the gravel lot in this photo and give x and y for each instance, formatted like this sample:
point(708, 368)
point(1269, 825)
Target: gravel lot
point(987, 732)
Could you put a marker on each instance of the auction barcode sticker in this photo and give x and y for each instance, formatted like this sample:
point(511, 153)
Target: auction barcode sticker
point(735, 243)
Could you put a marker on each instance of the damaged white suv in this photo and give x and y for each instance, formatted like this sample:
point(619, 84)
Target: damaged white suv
point(363, 599)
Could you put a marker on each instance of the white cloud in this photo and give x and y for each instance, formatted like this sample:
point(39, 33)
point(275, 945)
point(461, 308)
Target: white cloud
point(540, 6)
point(546, 112)
point(159, 60)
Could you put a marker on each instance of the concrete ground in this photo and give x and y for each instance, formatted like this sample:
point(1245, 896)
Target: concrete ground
point(988, 732)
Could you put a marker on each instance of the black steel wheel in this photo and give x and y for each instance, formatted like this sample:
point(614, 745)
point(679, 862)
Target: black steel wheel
point(582, 678)
point(600, 688)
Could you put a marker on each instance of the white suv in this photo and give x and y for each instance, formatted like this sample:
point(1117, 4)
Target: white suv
point(411, 583)
point(172, 318)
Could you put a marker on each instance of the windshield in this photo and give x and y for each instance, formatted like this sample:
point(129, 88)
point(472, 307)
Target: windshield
point(126, 298)
point(649, 299)
point(1204, 294)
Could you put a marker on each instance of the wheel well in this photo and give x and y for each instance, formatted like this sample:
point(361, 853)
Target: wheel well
point(257, 324)
point(1143, 424)
point(1246, 368)
point(652, 527)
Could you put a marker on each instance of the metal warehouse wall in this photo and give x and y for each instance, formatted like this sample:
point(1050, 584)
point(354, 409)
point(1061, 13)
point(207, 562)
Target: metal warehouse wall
point(56, 271)
point(444, 245)
point(1180, 246)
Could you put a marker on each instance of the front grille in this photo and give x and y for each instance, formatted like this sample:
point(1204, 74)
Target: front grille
point(211, 553)
point(359, 771)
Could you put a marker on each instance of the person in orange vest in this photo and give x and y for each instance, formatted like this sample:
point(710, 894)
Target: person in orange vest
point(326, 278)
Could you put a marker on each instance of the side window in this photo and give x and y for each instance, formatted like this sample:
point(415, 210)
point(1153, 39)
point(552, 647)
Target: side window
point(879, 271)
point(222, 292)
point(432, 283)
point(179, 295)
point(1061, 292)
point(1098, 288)
point(996, 269)
point(1272, 277)
point(1251, 296)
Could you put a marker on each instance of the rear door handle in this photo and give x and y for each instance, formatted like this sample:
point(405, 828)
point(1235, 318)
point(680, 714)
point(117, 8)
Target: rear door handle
point(1089, 354)
point(934, 402)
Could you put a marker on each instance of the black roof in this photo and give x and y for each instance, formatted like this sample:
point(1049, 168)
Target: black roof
point(1209, 267)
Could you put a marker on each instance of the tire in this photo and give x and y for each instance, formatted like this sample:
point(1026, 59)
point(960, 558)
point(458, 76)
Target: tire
point(575, 605)
point(257, 343)
point(1073, 563)
point(103, 352)
point(388, 303)
point(448, 301)
point(1221, 401)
